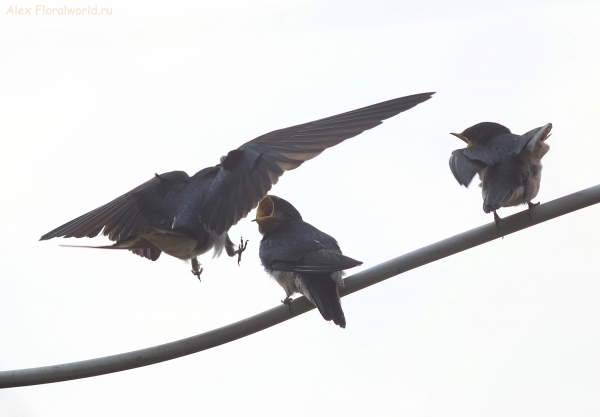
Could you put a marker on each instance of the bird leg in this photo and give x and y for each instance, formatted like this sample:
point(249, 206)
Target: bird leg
point(497, 219)
point(288, 302)
point(241, 248)
point(531, 206)
point(196, 270)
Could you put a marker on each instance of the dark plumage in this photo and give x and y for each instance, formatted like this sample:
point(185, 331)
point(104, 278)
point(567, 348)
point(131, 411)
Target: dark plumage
point(301, 258)
point(186, 216)
point(509, 165)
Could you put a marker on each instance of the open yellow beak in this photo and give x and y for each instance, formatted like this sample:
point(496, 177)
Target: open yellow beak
point(461, 137)
point(265, 209)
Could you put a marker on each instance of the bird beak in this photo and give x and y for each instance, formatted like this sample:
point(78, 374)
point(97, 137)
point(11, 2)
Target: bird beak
point(265, 208)
point(266, 218)
point(461, 137)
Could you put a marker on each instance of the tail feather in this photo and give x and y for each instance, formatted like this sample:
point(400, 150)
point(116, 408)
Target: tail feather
point(136, 244)
point(322, 291)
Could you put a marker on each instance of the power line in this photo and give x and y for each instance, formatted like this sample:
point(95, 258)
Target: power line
point(359, 281)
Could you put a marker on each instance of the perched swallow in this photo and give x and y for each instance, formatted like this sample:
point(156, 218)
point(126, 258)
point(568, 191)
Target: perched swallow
point(186, 216)
point(509, 165)
point(301, 258)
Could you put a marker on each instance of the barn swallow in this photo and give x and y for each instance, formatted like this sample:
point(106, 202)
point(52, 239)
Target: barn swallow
point(186, 216)
point(301, 258)
point(509, 165)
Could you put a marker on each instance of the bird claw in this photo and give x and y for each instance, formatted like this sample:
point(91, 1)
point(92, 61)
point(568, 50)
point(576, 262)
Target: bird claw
point(241, 248)
point(198, 273)
point(497, 219)
point(288, 302)
point(196, 270)
point(531, 206)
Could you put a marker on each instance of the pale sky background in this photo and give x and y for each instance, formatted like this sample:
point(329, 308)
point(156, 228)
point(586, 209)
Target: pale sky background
point(91, 107)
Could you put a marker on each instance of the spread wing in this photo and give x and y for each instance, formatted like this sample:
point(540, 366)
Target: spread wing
point(221, 195)
point(465, 163)
point(530, 139)
point(247, 173)
point(151, 204)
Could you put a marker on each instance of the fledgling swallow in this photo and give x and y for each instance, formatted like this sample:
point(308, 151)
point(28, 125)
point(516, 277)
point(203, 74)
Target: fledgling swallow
point(186, 216)
point(301, 258)
point(509, 165)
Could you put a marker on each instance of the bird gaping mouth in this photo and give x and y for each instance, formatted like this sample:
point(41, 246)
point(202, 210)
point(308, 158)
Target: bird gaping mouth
point(266, 217)
point(265, 208)
point(463, 138)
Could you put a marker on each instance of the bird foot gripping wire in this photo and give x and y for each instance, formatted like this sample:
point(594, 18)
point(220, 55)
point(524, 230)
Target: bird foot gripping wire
point(241, 248)
point(288, 302)
point(531, 206)
point(196, 270)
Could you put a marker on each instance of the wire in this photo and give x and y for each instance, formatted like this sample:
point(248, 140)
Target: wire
point(266, 319)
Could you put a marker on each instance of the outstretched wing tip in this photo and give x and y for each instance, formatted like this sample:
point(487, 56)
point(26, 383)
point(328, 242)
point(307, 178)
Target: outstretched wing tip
point(256, 165)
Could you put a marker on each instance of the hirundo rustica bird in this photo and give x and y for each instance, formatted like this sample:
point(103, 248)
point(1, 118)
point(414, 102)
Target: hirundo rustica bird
point(186, 216)
point(301, 258)
point(509, 165)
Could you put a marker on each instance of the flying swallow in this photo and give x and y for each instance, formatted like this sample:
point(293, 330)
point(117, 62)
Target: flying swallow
point(186, 216)
point(301, 258)
point(509, 165)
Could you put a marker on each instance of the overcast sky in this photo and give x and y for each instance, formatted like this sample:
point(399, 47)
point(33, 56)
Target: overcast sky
point(92, 106)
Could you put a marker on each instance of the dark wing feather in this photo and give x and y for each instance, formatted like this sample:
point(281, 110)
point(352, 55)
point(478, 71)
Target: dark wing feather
point(496, 197)
point(465, 163)
point(531, 138)
point(502, 182)
point(247, 173)
point(151, 204)
point(464, 168)
point(301, 247)
point(483, 154)
point(319, 261)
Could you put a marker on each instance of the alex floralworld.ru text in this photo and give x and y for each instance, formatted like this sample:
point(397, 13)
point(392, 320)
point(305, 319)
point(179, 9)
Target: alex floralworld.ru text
point(41, 10)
